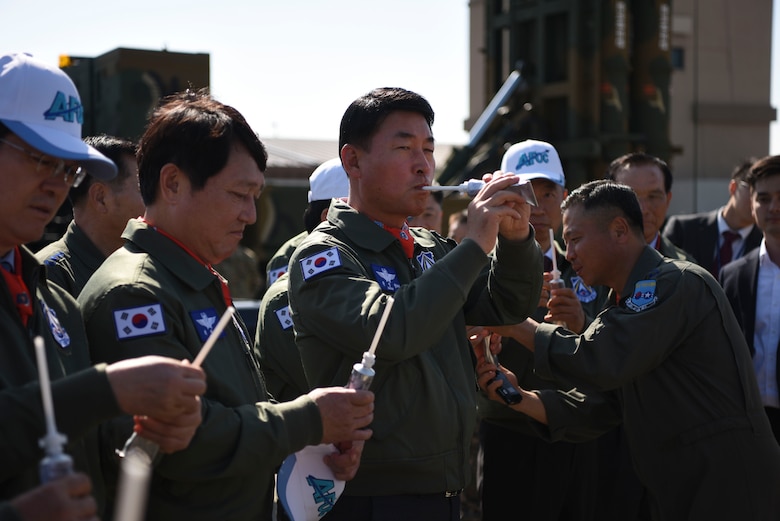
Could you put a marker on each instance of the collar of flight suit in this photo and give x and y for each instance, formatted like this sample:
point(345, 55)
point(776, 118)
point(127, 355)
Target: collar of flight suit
point(366, 233)
point(169, 254)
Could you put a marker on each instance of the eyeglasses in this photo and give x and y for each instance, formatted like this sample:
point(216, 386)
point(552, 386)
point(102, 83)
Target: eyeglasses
point(73, 175)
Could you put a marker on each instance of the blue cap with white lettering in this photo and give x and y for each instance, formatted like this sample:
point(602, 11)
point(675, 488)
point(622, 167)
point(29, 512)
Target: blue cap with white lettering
point(40, 104)
point(533, 159)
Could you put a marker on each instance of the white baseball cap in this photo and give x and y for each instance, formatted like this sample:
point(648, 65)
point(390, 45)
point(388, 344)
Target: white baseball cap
point(40, 104)
point(328, 180)
point(306, 486)
point(532, 159)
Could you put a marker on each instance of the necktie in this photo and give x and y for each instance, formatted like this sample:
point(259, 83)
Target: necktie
point(548, 265)
point(726, 253)
point(18, 289)
point(404, 237)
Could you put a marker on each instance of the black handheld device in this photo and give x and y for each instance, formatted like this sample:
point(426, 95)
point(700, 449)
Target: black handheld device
point(507, 391)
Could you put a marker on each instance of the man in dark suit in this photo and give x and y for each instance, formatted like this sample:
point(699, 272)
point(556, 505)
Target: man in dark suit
point(651, 180)
point(718, 237)
point(752, 285)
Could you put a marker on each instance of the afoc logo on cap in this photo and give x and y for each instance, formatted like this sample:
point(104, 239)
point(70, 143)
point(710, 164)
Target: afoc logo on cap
point(532, 158)
point(306, 486)
point(65, 107)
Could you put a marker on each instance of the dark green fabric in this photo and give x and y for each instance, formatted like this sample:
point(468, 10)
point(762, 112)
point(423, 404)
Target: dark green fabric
point(21, 411)
point(425, 385)
point(275, 345)
point(227, 471)
point(71, 260)
point(690, 406)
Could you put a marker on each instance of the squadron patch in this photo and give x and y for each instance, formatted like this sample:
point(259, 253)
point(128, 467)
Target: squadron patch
point(54, 258)
point(386, 277)
point(284, 317)
point(643, 296)
point(320, 262)
point(205, 320)
point(139, 321)
point(57, 331)
point(425, 260)
point(584, 292)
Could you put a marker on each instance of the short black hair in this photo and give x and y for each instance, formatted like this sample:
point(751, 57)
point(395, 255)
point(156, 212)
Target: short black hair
point(741, 171)
point(312, 214)
point(363, 117)
point(765, 167)
point(610, 197)
point(196, 133)
point(115, 149)
point(639, 159)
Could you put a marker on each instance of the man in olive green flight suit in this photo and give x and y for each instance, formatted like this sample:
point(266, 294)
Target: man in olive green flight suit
point(342, 275)
point(41, 157)
point(100, 212)
point(201, 172)
point(672, 354)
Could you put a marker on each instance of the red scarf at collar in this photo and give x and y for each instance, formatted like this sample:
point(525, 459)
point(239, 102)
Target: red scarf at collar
point(222, 281)
point(403, 236)
point(17, 287)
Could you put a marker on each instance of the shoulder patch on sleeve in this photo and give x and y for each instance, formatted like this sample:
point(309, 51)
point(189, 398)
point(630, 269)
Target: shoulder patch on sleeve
point(57, 331)
point(320, 262)
point(204, 321)
point(139, 321)
point(386, 277)
point(284, 317)
point(273, 275)
point(643, 296)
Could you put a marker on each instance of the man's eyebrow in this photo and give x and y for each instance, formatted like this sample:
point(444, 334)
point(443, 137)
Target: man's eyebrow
point(408, 135)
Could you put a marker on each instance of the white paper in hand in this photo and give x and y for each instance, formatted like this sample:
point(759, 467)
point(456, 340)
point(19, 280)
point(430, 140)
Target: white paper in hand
point(305, 484)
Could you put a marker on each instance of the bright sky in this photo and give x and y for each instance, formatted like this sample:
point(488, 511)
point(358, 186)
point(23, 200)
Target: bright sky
point(774, 128)
point(291, 67)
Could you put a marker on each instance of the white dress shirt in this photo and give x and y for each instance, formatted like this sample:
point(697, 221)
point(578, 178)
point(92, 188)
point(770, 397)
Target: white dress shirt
point(767, 328)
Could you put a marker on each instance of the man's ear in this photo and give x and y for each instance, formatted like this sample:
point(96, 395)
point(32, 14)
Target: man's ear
point(619, 229)
point(732, 187)
point(350, 159)
point(97, 195)
point(172, 182)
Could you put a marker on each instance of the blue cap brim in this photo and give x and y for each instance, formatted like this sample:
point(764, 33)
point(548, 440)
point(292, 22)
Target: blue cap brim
point(65, 146)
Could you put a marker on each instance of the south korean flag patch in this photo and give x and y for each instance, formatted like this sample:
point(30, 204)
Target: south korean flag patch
point(274, 275)
point(386, 277)
point(283, 315)
point(643, 296)
point(139, 321)
point(320, 262)
point(205, 320)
